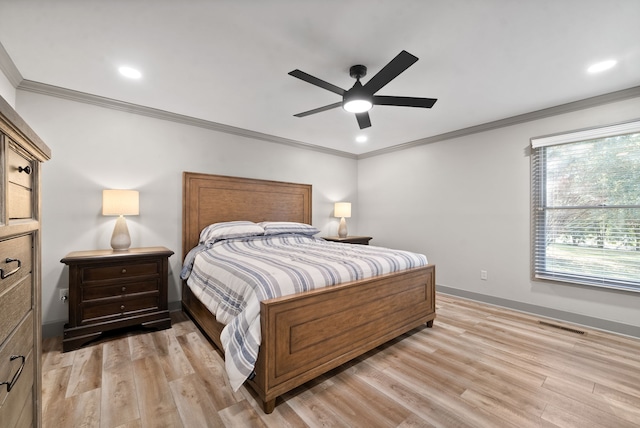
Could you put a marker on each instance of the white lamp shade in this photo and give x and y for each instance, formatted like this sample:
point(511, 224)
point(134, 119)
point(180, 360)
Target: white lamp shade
point(342, 209)
point(120, 202)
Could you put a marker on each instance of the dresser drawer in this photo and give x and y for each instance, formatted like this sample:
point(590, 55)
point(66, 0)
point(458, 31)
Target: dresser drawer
point(15, 303)
point(16, 290)
point(16, 258)
point(119, 271)
point(20, 185)
point(99, 311)
point(18, 408)
point(19, 169)
point(19, 203)
point(123, 289)
point(20, 343)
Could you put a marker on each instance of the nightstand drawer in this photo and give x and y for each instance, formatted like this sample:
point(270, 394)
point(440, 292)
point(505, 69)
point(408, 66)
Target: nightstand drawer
point(124, 289)
point(99, 312)
point(119, 271)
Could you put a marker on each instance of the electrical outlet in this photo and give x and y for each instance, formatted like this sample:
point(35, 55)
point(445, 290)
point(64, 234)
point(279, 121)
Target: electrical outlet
point(483, 275)
point(64, 294)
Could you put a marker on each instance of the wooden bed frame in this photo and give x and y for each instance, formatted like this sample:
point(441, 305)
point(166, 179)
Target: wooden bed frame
point(307, 334)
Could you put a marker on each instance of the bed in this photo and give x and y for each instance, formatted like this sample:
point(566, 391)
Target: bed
point(296, 345)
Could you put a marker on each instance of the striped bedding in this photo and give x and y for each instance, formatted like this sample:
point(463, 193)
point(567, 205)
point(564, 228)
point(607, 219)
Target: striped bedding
point(232, 276)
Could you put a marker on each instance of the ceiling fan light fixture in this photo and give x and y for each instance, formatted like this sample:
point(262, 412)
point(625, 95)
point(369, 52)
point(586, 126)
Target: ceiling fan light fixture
point(357, 99)
point(357, 106)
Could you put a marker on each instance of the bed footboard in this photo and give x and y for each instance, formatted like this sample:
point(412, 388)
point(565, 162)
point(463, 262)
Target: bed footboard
point(311, 333)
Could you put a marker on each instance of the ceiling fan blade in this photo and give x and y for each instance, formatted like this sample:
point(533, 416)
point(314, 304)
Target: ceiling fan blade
point(383, 100)
point(317, 82)
point(319, 109)
point(390, 71)
point(363, 120)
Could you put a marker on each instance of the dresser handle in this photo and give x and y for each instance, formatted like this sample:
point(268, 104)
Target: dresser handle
point(26, 169)
point(122, 307)
point(4, 275)
point(18, 373)
point(124, 271)
point(124, 289)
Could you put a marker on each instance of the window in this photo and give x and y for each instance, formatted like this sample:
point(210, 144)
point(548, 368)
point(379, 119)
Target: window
point(586, 207)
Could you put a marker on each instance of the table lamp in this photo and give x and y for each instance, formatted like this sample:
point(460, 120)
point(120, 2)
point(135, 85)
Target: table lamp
point(342, 210)
point(120, 203)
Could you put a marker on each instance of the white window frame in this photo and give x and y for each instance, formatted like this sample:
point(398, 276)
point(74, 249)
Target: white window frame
point(538, 204)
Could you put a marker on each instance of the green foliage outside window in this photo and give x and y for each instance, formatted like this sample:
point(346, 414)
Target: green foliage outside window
point(586, 208)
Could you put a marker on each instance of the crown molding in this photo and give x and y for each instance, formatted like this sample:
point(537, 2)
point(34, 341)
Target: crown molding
point(82, 97)
point(9, 68)
point(599, 100)
point(55, 91)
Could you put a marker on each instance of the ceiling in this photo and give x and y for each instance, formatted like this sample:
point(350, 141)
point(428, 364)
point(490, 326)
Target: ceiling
point(227, 61)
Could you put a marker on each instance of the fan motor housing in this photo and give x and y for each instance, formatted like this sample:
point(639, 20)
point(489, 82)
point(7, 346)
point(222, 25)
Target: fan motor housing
point(358, 71)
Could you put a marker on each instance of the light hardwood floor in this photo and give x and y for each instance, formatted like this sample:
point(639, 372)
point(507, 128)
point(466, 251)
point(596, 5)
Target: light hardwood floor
point(479, 366)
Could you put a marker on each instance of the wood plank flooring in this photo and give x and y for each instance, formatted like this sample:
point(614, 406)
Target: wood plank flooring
point(479, 366)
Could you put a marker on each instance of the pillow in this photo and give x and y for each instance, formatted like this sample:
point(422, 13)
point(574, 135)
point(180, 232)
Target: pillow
point(230, 229)
point(279, 227)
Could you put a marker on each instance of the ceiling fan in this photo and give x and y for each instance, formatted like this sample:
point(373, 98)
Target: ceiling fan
point(361, 98)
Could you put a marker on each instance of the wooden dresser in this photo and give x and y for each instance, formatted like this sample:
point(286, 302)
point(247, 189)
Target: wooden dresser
point(21, 153)
point(111, 289)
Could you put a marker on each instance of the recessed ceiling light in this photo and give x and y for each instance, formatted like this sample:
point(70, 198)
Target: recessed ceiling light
point(129, 72)
point(361, 139)
point(602, 66)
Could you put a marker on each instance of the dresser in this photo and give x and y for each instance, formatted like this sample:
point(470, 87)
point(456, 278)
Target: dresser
point(110, 290)
point(21, 154)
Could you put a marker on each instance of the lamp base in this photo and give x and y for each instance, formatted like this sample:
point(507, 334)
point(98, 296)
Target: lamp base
point(342, 229)
point(120, 239)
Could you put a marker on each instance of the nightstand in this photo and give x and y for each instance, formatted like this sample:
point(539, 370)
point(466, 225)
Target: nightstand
point(114, 289)
point(362, 240)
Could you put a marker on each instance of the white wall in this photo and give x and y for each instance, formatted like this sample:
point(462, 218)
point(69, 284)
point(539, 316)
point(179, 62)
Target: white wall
point(96, 148)
point(7, 91)
point(465, 203)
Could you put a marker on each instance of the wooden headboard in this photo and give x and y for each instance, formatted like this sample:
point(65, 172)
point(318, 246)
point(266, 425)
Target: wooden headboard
point(208, 199)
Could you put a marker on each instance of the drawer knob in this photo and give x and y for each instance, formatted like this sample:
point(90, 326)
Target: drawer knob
point(124, 289)
point(18, 373)
point(26, 169)
point(122, 307)
point(124, 271)
point(4, 274)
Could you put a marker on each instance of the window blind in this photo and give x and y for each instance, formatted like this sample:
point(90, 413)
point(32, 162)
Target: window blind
point(586, 207)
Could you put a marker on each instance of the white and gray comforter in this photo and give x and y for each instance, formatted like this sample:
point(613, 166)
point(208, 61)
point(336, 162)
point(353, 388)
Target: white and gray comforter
point(233, 276)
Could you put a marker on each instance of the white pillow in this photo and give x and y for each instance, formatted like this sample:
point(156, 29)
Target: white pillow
point(279, 227)
point(230, 229)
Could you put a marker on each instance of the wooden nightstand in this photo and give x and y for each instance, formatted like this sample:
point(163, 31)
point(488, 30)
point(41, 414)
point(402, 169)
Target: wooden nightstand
point(362, 240)
point(114, 289)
